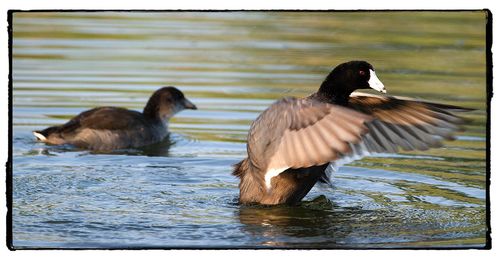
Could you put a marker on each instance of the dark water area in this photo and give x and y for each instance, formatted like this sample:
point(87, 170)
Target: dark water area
point(233, 65)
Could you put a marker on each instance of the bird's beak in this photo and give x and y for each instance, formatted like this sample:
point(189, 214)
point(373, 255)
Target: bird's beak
point(375, 83)
point(189, 105)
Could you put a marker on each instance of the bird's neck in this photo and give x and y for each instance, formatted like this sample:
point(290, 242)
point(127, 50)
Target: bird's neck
point(334, 91)
point(151, 110)
point(154, 111)
point(338, 98)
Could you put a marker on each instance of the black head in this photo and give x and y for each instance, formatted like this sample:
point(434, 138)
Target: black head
point(166, 102)
point(348, 77)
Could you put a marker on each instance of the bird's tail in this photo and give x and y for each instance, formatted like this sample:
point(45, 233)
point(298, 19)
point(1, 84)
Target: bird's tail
point(40, 136)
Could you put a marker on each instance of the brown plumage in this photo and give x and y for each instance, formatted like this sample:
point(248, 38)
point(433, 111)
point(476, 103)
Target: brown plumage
point(291, 144)
point(109, 128)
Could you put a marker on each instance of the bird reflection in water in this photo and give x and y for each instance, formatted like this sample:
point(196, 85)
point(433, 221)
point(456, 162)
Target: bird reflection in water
point(311, 224)
point(161, 148)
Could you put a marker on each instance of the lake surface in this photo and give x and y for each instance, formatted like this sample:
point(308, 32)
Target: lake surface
point(233, 65)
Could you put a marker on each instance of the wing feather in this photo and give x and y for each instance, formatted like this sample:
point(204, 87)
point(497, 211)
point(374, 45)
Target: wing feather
point(298, 133)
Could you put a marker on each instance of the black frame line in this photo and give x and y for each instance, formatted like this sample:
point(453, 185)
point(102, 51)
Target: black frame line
point(489, 95)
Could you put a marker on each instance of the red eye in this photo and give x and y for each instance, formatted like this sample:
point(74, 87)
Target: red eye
point(362, 73)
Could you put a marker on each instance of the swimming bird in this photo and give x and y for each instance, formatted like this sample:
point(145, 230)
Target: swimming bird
point(292, 143)
point(109, 128)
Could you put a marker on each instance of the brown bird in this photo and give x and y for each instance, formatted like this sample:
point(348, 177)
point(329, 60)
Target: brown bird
point(291, 144)
point(109, 128)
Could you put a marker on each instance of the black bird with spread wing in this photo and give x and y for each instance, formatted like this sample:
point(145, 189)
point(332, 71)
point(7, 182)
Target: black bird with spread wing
point(291, 144)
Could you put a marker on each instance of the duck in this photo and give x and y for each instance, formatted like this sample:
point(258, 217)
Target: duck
point(291, 144)
point(109, 128)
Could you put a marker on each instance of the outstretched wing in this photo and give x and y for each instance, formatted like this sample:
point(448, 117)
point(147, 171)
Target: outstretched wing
point(297, 133)
point(406, 123)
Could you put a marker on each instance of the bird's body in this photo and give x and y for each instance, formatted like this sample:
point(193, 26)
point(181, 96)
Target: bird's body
point(108, 128)
point(103, 128)
point(291, 144)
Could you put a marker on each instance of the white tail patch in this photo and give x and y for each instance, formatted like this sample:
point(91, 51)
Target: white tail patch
point(271, 174)
point(39, 136)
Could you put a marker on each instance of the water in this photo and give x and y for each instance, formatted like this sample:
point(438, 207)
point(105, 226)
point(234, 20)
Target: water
point(233, 65)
